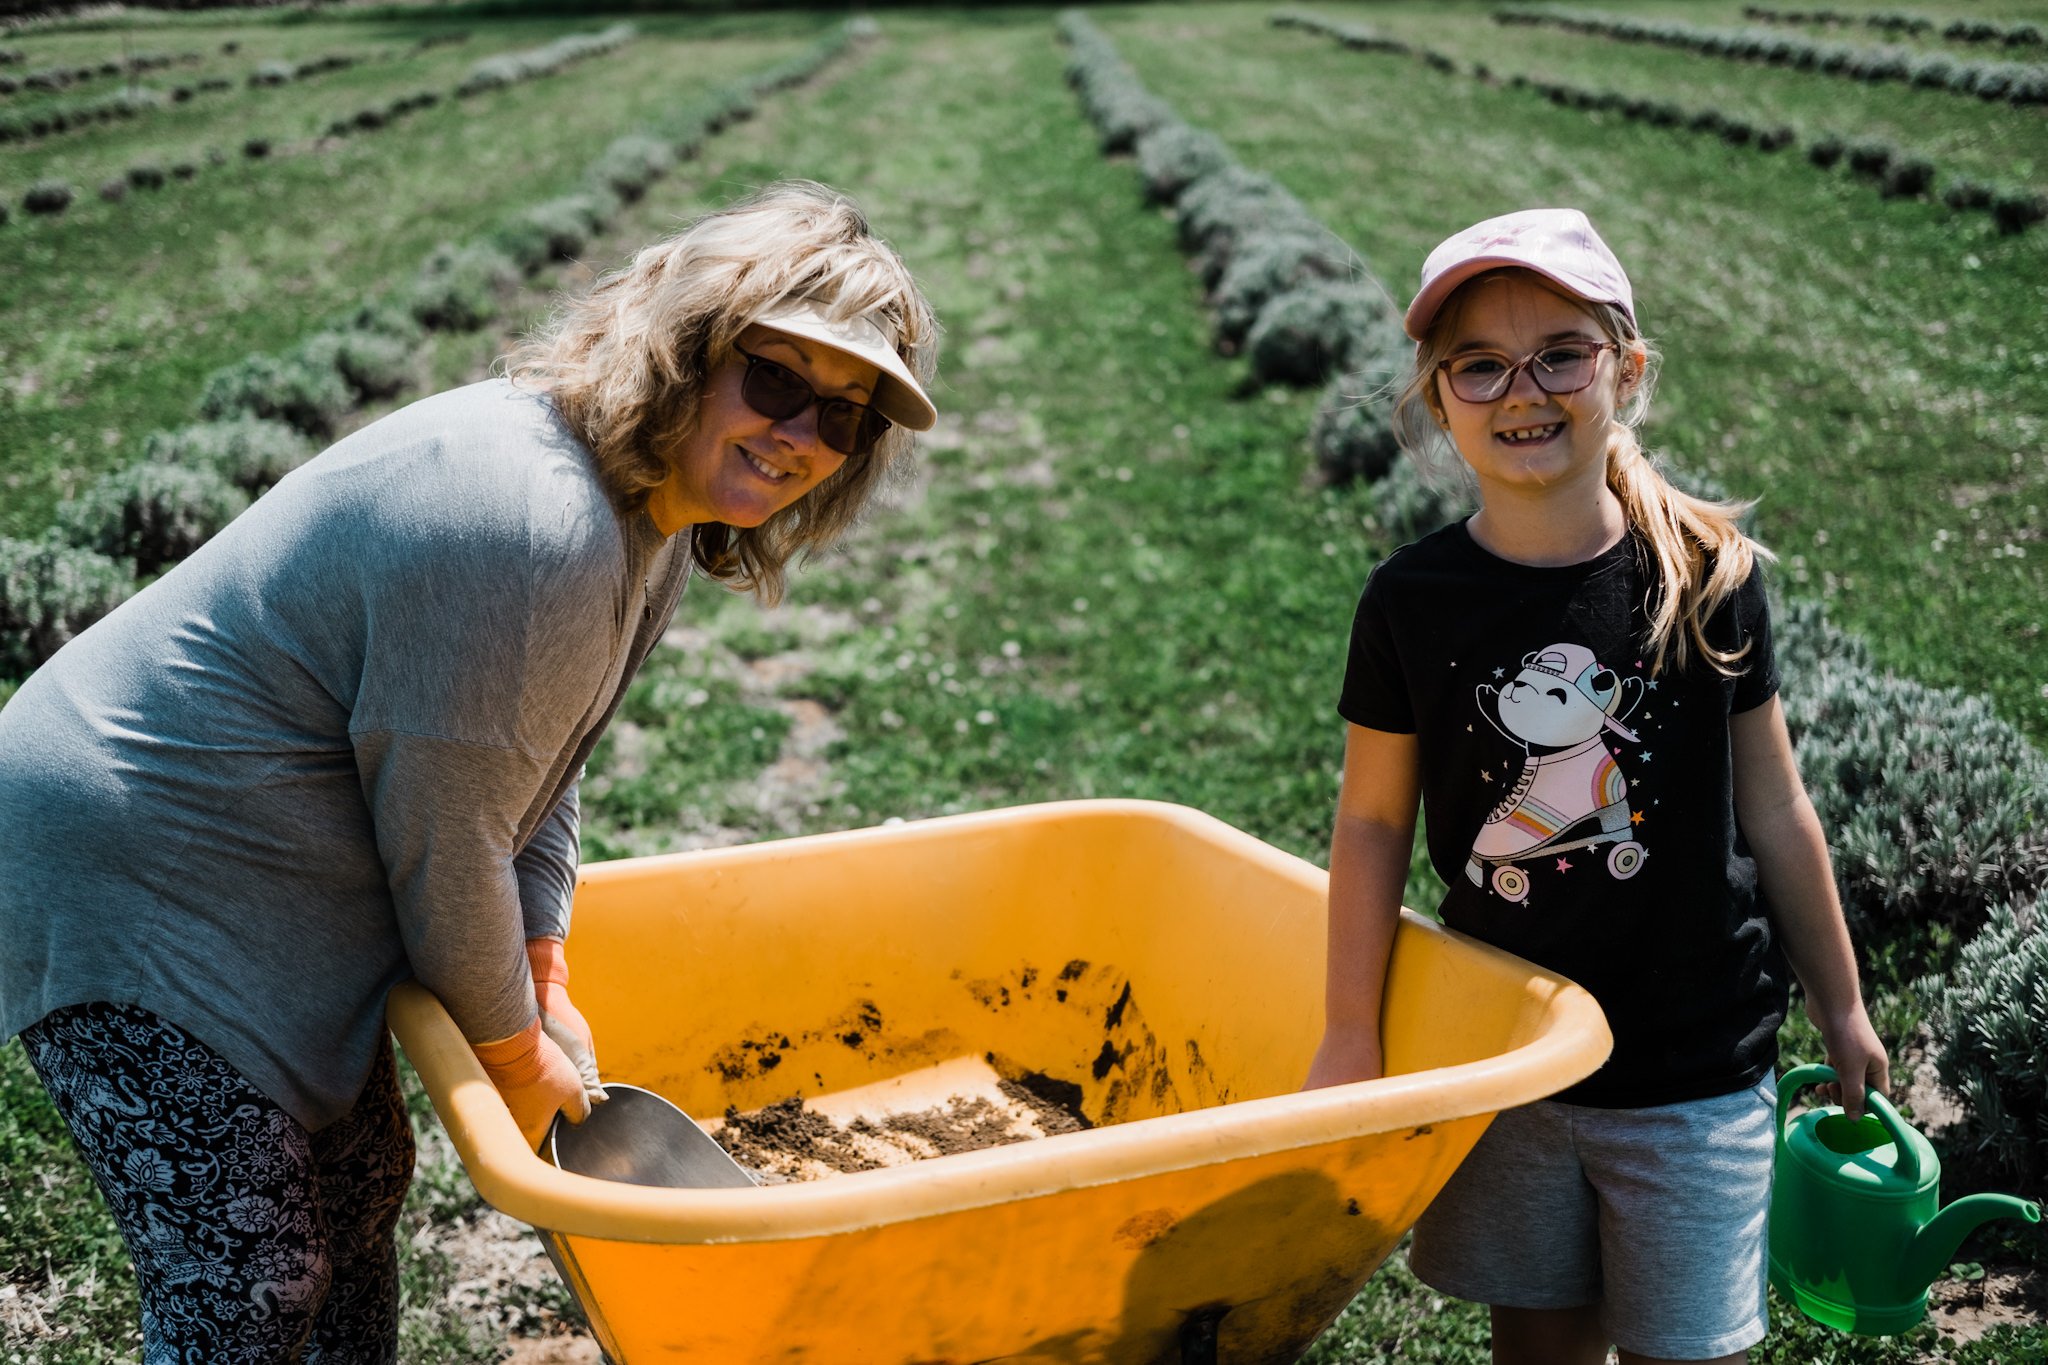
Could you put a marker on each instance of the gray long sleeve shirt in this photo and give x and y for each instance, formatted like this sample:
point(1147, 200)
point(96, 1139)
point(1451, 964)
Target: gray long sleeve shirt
point(336, 747)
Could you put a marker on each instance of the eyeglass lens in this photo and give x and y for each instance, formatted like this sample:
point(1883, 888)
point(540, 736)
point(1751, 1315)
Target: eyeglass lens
point(1484, 376)
point(779, 393)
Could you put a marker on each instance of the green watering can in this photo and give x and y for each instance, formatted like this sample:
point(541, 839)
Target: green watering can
point(1856, 1238)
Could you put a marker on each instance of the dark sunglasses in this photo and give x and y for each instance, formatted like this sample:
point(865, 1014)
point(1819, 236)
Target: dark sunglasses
point(780, 393)
point(1482, 376)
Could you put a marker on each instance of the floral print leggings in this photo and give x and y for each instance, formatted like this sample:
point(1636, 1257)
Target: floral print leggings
point(255, 1241)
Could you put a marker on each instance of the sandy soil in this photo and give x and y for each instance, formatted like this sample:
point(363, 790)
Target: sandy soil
point(792, 1140)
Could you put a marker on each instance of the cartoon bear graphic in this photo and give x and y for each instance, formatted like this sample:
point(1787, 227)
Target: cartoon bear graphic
point(1570, 793)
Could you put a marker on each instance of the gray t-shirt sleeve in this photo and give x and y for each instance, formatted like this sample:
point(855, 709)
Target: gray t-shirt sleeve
point(546, 868)
point(445, 832)
point(488, 651)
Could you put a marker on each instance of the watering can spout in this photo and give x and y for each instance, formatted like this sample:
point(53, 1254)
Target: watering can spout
point(1935, 1244)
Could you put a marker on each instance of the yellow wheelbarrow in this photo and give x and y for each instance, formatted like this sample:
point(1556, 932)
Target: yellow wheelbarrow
point(1158, 966)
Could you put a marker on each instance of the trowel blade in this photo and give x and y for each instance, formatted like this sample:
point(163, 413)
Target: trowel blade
point(638, 1138)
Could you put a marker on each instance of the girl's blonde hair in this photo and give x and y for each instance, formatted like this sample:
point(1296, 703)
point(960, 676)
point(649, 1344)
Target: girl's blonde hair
point(626, 364)
point(1699, 549)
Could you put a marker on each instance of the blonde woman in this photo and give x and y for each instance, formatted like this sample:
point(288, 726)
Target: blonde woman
point(339, 747)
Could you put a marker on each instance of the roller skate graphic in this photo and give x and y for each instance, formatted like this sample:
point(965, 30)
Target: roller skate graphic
point(1570, 793)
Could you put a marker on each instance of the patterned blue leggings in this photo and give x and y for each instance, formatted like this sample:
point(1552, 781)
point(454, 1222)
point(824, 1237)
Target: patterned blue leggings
point(255, 1242)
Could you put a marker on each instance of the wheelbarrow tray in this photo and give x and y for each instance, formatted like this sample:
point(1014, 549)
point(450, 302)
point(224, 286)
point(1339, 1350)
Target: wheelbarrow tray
point(1151, 963)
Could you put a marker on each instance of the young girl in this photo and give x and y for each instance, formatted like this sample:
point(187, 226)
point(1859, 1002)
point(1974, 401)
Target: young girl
point(1577, 683)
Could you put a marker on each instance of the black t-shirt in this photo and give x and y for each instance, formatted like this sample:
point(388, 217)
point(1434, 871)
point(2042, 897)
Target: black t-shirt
point(1580, 810)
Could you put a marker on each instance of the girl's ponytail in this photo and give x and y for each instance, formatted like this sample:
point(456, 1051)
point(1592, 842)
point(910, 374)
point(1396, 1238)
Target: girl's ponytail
point(1700, 555)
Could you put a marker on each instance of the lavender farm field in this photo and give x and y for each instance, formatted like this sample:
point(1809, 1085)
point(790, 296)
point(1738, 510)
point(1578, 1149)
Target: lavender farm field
point(1116, 573)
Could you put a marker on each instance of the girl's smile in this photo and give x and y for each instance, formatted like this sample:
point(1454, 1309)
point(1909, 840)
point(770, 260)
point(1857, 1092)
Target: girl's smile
point(1528, 436)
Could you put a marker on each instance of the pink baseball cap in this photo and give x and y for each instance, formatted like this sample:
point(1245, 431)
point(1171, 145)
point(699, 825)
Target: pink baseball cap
point(1558, 244)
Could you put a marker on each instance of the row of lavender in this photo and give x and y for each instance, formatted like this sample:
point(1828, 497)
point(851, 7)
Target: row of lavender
point(53, 78)
point(48, 120)
point(1937, 810)
point(2015, 83)
point(50, 79)
point(49, 197)
point(1911, 25)
point(1896, 174)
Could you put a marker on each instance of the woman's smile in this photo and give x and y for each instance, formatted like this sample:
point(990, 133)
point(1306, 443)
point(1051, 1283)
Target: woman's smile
point(762, 467)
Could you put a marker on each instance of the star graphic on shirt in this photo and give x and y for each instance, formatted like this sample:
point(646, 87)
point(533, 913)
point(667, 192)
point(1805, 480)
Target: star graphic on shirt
point(1635, 817)
point(1468, 729)
point(1485, 776)
point(1653, 684)
point(1564, 864)
point(1500, 672)
point(1647, 755)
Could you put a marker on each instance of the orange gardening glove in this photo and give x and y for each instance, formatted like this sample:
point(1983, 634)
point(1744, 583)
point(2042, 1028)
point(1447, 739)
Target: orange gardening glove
point(559, 1018)
point(535, 1079)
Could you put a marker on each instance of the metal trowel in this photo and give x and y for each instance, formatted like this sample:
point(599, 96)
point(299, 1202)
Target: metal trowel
point(638, 1138)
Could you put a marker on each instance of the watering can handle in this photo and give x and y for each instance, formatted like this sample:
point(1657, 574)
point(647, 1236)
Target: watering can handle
point(1820, 1073)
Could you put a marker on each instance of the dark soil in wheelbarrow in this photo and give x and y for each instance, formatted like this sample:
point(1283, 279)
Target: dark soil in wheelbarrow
point(789, 1140)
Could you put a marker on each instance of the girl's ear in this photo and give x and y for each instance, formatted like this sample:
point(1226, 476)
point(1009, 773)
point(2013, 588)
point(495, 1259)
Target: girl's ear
point(1633, 358)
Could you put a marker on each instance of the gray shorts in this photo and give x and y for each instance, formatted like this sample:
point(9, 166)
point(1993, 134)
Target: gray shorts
point(1657, 1215)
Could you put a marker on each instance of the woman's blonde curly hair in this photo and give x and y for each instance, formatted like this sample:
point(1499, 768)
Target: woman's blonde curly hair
point(626, 364)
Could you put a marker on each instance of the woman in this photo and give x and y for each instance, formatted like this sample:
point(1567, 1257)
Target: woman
point(339, 747)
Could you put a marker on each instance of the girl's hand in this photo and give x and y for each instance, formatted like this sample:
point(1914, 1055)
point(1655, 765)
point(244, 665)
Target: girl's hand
point(1369, 850)
point(1858, 1058)
point(1342, 1059)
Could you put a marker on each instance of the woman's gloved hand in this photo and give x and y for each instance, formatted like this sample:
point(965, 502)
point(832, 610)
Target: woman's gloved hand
point(560, 1019)
point(536, 1079)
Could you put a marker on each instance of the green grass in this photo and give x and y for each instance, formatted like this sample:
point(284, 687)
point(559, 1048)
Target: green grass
point(697, 741)
point(56, 1237)
point(1116, 567)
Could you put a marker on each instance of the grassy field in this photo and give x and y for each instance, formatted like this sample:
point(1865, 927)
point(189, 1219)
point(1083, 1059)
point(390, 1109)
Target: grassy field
point(1113, 575)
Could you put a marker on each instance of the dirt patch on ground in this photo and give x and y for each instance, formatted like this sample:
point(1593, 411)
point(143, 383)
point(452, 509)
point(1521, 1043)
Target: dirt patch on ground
point(576, 1350)
point(1930, 1105)
point(1966, 1309)
point(788, 1140)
